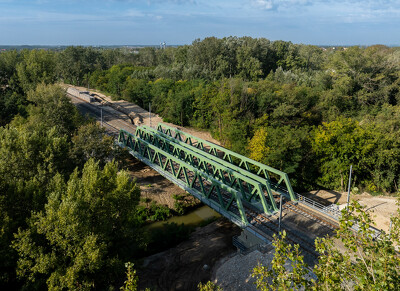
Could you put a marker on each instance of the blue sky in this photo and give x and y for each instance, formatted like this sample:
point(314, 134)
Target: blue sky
point(124, 22)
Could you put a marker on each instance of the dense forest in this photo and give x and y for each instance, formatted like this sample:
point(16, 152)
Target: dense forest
point(308, 111)
point(70, 217)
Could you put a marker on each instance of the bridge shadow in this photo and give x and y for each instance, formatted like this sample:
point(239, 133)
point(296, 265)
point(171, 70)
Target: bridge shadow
point(147, 175)
point(325, 197)
point(375, 206)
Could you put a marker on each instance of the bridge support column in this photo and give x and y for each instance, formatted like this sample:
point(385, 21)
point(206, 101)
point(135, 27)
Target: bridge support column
point(249, 240)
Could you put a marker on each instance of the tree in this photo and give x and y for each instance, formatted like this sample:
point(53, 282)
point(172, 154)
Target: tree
point(248, 66)
point(280, 276)
point(36, 66)
point(8, 70)
point(137, 91)
point(366, 263)
point(11, 104)
point(203, 54)
point(338, 145)
point(147, 56)
point(117, 77)
point(86, 227)
point(77, 62)
point(258, 145)
point(50, 107)
point(91, 142)
point(29, 160)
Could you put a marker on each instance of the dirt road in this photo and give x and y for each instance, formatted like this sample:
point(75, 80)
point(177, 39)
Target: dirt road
point(380, 207)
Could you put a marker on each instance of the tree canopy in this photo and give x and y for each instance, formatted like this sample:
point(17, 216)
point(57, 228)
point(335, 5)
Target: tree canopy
point(306, 110)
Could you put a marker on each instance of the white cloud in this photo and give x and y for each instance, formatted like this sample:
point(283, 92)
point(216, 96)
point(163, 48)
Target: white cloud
point(263, 4)
point(284, 4)
point(134, 13)
point(275, 4)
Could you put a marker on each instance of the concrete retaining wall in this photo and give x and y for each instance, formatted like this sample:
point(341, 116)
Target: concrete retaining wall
point(82, 95)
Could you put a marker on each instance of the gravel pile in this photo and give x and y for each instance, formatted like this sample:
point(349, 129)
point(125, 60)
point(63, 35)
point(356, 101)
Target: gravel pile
point(235, 273)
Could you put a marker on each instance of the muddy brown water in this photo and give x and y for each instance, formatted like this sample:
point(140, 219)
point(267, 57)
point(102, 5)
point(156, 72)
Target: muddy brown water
point(193, 218)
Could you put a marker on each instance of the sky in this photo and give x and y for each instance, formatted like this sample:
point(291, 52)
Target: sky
point(177, 22)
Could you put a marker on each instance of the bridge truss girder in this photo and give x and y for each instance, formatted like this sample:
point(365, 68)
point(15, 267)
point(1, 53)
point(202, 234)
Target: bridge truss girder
point(206, 188)
point(250, 166)
point(254, 189)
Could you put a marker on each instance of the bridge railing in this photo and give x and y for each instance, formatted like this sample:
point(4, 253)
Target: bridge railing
point(331, 210)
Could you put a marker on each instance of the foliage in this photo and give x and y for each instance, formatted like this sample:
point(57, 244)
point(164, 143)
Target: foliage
point(51, 108)
point(38, 153)
point(153, 212)
point(227, 85)
point(279, 277)
point(209, 286)
point(257, 145)
point(308, 111)
point(131, 283)
point(183, 202)
point(376, 262)
point(37, 66)
point(75, 64)
point(90, 142)
point(366, 263)
point(86, 225)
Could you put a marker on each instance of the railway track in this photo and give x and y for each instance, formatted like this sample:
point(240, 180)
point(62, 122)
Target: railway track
point(111, 121)
point(263, 222)
point(290, 206)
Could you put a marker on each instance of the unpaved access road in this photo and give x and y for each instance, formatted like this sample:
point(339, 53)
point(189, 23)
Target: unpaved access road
point(380, 207)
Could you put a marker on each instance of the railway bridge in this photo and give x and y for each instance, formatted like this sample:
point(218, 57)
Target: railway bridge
point(243, 190)
point(246, 192)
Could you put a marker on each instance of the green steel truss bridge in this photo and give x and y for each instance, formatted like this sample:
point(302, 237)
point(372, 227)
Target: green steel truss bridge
point(233, 185)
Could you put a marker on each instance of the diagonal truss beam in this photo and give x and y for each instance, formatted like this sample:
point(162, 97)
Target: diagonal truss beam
point(254, 189)
point(248, 165)
point(211, 191)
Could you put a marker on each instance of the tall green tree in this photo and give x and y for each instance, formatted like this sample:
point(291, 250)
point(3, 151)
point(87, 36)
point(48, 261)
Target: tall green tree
point(338, 145)
point(29, 160)
point(35, 67)
point(76, 63)
point(50, 107)
point(78, 239)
